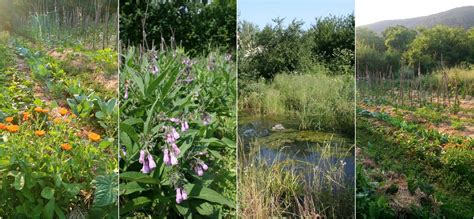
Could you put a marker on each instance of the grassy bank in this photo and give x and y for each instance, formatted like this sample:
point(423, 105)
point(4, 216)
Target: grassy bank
point(268, 190)
point(320, 102)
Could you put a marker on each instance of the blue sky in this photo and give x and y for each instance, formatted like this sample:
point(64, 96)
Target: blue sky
point(261, 12)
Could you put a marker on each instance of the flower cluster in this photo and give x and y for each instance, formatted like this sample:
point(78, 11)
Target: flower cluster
point(181, 195)
point(147, 160)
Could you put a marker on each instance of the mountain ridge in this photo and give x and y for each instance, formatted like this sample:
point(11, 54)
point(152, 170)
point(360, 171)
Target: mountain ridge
point(456, 17)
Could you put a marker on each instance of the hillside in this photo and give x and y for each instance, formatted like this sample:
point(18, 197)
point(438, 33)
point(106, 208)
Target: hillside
point(460, 17)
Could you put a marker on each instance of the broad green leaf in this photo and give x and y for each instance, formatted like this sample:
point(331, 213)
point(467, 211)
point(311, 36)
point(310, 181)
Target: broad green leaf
point(106, 192)
point(48, 210)
point(19, 181)
point(138, 177)
point(200, 192)
point(135, 203)
point(47, 192)
point(131, 187)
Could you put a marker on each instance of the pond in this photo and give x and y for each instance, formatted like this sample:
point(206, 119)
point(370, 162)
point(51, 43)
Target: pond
point(274, 140)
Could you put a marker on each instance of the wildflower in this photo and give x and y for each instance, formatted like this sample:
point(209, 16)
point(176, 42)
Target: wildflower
point(175, 149)
point(26, 116)
point(73, 116)
point(181, 195)
point(57, 120)
point(147, 161)
point(93, 136)
point(13, 128)
point(174, 133)
point(200, 167)
point(45, 111)
point(3, 126)
point(141, 159)
point(175, 120)
point(38, 109)
point(66, 146)
point(173, 158)
point(40, 133)
point(184, 126)
point(155, 69)
point(151, 162)
point(62, 111)
point(166, 157)
point(9, 119)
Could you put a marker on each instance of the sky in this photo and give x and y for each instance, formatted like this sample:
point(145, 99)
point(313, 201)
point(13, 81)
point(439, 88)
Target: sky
point(261, 12)
point(371, 11)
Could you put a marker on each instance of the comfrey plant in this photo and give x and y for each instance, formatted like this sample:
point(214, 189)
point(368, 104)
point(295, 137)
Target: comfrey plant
point(175, 126)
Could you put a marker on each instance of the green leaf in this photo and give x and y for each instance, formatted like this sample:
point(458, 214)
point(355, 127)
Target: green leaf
point(19, 181)
point(47, 192)
point(135, 203)
point(138, 177)
point(106, 192)
point(131, 187)
point(200, 192)
point(48, 210)
point(72, 189)
point(205, 209)
point(104, 144)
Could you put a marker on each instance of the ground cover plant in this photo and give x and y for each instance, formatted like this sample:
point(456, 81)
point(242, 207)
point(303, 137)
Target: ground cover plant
point(296, 92)
point(59, 131)
point(414, 124)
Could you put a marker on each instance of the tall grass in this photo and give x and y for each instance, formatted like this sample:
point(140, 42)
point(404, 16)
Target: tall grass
point(276, 190)
point(319, 101)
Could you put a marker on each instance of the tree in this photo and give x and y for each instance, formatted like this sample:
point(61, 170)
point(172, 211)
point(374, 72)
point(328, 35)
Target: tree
point(440, 45)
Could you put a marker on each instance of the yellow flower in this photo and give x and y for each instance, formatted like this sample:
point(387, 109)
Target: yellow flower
point(45, 111)
point(26, 116)
point(13, 128)
point(9, 119)
point(66, 146)
point(38, 109)
point(57, 120)
point(73, 116)
point(40, 133)
point(62, 111)
point(93, 136)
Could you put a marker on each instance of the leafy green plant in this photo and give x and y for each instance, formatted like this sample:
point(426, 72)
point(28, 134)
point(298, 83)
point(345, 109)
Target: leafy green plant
point(163, 171)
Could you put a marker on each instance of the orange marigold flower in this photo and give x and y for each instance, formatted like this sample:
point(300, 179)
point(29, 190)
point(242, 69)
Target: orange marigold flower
point(66, 146)
point(9, 119)
point(13, 128)
point(3, 126)
point(26, 116)
point(57, 120)
point(62, 111)
point(45, 111)
point(93, 136)
point(40, 133)
point(38, 109)
point(73, 116)
point(67, 120)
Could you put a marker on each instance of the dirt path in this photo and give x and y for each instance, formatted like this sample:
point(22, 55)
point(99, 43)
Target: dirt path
point(38, 91)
